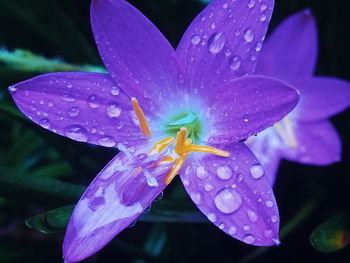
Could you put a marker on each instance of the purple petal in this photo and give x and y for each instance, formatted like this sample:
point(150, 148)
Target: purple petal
point(86, 107)
point(223, 41)
point(321, 97)
point(266, 146)
point(317, 143)
point(136, 54)
point(116, 197)
point(234, 194)
point(246, 106)
point(291, 51)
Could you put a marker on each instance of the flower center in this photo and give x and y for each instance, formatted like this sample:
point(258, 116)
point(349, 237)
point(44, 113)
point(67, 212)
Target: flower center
point(285, 130)
point(177, 126)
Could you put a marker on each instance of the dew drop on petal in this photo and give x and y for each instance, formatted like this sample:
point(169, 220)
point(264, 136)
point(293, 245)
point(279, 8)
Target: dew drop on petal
point(274, 219)
point(239, 177)
point(251, 3)
point(212, 217)
point(74, 111)
point(258, 46)
point(249, 239)
point(45, 123)
point(249, 35)
point(235, 63)
point(263, 17)
point(228, 200)
point(77, 133)
point(201, 172)
point(197, 198)
point(268, 233)
point(263, 7)
point(256, 171)
point(50, 103)
point(12, 89)
point(106, 141)
point(196, 39)
point(232, 230)
point(269, 203)
point(208, 187)
point(68, 98)
point(113, 110)
point(115, 90)
point(253, 217)
point(216, 42)
point(92, 102)
point(224, 172)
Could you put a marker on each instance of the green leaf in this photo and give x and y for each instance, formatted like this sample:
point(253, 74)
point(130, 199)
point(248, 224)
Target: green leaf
point(56, 220)
point(332, 235)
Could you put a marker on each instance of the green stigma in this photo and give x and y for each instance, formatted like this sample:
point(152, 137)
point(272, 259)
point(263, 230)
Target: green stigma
point(186, 119)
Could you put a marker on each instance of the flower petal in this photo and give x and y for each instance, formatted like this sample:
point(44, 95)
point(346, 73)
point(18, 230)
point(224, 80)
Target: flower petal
point(246, 106)
point(136, 54)
point(321, 97)
point(116, 197)
point(266, 146)
point(291, 51)
point(234, 194)
point(223, 41)
point(86, 107)
point(317, 143)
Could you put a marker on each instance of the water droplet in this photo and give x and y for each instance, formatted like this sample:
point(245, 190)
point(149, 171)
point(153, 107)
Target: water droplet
point(228, 200)
point(228, 52)
point(92, 101)
point(249, 239)
point(222, 226)
point(268, 233)
point(208, 187)
point(253, 217)
point(239, 177)
point(269, 203)
point(74, 111)
point(201, 172)
point(115, 90)
point(196, 198)
point(106, 141)
point(246, 227)
point(224, 172)
point(235, 63)
point(212, 217)
point(245, 118)
point(12, 89)
point(45, 123)
point(274, 219)
point(69, 85)
point(253, 57)
point(249, 35)
point(216, 42)
point(232, 230)
point(77, 133)
point(113, 110)
point(196, 39)
point(258, 46)
point(257, 171)
point(213, 26)
point(251, 3)
point(224, 6)
point(263, 17)
point(68, 98)
point(263, 7)
point(50, 103)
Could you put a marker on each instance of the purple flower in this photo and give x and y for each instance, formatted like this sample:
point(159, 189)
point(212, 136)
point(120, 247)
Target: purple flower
point(305, 135)
point(168, 112)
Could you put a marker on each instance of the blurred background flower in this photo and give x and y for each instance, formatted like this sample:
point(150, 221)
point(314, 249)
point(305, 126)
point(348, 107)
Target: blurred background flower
point(40, 171)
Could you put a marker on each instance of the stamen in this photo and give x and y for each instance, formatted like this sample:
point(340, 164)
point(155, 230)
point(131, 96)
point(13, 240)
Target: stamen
point(161, 145)
point(285, 130)
point(141, 117)
point(176, 168)
point(205, 149)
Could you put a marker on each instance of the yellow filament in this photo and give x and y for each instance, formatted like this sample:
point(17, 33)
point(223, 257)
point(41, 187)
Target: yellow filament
point(286, 132)
point(176, 168)
point(161, 145)
point(205, 149)
point(141, 117)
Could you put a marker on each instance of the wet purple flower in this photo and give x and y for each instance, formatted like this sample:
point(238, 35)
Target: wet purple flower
point(305, 135)
point(168, 112)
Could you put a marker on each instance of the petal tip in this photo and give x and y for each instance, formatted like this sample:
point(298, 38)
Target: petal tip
point(12, 89)
point(277, 242)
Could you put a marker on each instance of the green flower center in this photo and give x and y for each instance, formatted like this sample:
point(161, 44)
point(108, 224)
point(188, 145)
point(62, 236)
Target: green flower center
point(188, 120)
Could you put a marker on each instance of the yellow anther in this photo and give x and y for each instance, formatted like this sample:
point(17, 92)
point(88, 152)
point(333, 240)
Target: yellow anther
point(161, 145)
point(285, 130)
point(204, 149)
point(166, 159)
point(141, 117)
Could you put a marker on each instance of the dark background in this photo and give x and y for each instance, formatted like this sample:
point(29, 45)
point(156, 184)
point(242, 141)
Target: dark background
point(60, 28)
